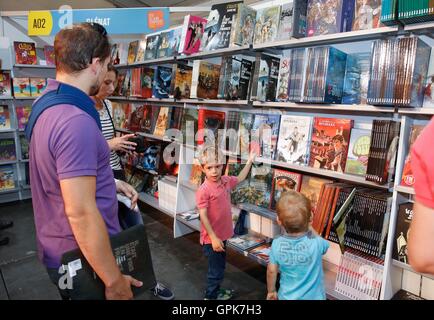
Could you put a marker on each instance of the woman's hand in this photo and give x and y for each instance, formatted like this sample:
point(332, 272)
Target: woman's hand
point(122, 143)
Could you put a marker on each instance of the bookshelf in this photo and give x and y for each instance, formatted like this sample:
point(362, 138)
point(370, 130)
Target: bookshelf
point(33, 66)
point(404, 189)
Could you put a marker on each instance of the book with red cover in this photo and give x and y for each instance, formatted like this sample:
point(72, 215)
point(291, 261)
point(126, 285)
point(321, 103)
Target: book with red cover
point(25, 53)
point(192, 32)
point(150, 114)
point(329, 146)
point(407, 173)
point(209, 120)
point(136, 82)
point(136, 118)
point(147, 78)
point(311, 188)
point(23, 114)
point(283, 181)
point(49, 55)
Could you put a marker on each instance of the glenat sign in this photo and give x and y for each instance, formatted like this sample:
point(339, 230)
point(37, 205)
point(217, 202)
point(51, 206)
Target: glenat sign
point(116, 21)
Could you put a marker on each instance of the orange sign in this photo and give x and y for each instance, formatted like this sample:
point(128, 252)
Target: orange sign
point(155, 19)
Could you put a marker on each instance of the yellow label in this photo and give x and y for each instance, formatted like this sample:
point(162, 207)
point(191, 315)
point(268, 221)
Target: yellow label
point(40, 23)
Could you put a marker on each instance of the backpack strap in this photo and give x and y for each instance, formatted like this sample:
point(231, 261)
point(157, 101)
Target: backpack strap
point(65, 94)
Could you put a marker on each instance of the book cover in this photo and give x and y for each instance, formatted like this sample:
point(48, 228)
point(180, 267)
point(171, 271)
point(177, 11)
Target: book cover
point(136, 82)
point(292, 22)
point(175, 41)
point(5, 118)
point(161, 85)
point(273, 78)
point(118, 114)
point(182, 81)
point(244, 26)
point(323, 17)
point(164, 49)
point(120, 82)
point(21, 87)
point(7, 177)
point(283, 81)
point(37, 86)
point(265, 131)
point(263, 78)
point(152, 42)
point(367, 14)
point(286, 21)
point(329, 146)
point(246, 125)
point(210, 127)
point(400, 239)
point(7, 149)
point(192, 33)
point(232, 134)
point(5, 84)
point(133, 257)
point(49, 55)
point(25, 53)
point(407, 172)
point(175, 118)
point(217, 32)
point(311, 188)
point(24, 144)
point(294, 137)
point(242, 193)
point(357, 76)
point(132, 51)
point(150, 115)
point(261, 178)
point(152, 156)
point(23, 114)
point(189, 125)
point(136, 118)
point(334, 81)
point(261, 253)
point(229, 84)
point(246, 242)
point(245, 77)
point(140, 56)
point(196, 174)
point(284, 181)
point(267, 24)
point(428, 101)
point(358, 152)
point(162, 121)
point(208, 82)
point(147, 78)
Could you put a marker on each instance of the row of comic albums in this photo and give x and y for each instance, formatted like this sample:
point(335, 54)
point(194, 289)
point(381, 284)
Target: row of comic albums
point(261, 189)
point(394, 72)
point(236, 24)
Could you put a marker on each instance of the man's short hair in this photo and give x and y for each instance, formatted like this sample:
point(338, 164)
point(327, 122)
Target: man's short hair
point(294, 211)
point(75, 47)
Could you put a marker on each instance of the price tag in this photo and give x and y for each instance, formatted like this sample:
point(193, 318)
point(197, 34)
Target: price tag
point(40, 23)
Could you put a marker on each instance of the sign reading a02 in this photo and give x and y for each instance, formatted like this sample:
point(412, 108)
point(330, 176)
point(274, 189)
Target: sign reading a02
point(116, 21)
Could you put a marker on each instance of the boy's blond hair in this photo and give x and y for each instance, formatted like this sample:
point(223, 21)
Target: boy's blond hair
point(210, 154)
point(294, 211)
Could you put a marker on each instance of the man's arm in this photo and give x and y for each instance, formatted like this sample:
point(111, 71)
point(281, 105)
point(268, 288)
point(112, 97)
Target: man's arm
point(245, 172)
point(217, 244)
point(421, 237)
point(91, 235)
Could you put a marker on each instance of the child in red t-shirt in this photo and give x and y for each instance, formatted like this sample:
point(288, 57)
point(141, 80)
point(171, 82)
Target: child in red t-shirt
point(213, 200)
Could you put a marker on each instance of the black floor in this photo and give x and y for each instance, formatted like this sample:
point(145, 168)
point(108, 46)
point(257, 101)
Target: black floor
point(179, 263)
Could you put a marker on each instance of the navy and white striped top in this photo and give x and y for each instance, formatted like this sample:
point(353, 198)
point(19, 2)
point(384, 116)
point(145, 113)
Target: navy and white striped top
point(108, 132)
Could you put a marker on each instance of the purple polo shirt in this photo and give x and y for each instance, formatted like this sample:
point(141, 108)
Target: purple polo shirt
point(67, 143)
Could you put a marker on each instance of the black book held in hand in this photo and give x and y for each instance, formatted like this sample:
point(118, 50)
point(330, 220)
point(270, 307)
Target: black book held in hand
point(131, 250)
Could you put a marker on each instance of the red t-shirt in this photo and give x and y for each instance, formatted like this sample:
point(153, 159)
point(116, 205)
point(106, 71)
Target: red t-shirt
point(422, 164)
point(216, 198)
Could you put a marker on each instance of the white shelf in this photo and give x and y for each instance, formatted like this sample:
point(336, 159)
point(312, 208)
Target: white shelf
point(251, 208)
point(8, 162)
point(153, 202)
point(165, 60)
point(25, 186)
point(24, 160)
point(406, 266)
point(214, 53)
point(329, 39)
point(9, 190)
point(404, 189)
point(6, 98)
point(193, 224)
point(138, 99)
point(423, 27)
point(7, 131)
point(34, 66)
point(25, 98)
point(214, 101)
point(417, 111)
point(325, 173)
point(325, 107)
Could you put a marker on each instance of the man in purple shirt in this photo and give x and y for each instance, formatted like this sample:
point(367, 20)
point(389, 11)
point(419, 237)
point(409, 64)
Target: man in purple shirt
point(73, 189)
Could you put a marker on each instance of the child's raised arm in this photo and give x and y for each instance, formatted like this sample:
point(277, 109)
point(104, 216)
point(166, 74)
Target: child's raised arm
point(245, 172)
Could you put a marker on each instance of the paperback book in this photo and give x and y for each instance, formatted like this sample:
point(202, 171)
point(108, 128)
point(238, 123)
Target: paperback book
point(181, 83)
point(358, 152)
point(5, 118)
point(192, 32)
point(7, 150)
point(23, 114)
point(7, 177)
point(5, 84)
point(284, 181)
point(25, 53)
point(267, 24)
point(162, 80)
point(244, 26)
point(21, 87)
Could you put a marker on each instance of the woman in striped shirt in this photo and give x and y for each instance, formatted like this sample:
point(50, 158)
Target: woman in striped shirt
point(105, 111)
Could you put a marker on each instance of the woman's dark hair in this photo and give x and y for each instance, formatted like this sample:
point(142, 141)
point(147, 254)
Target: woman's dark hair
point(75, 47)
point(112, 68)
